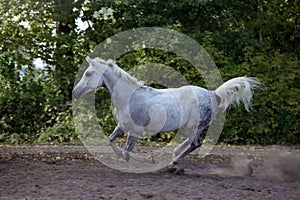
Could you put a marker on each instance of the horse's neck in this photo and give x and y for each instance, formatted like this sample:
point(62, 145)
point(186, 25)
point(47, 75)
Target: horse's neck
point(110, 80)
point(120, 90)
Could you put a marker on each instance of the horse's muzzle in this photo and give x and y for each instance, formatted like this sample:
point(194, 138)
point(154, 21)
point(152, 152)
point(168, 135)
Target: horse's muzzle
point(76, 93)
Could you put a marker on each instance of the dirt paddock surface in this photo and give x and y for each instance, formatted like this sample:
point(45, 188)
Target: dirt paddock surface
point(69, 172)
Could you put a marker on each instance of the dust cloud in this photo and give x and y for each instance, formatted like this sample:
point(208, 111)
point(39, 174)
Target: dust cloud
point(280, 165)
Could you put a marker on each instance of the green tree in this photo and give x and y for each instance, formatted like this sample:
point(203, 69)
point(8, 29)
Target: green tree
point(255, 38)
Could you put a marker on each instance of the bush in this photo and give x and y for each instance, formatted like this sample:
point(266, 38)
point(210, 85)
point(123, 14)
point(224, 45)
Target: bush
point(62, 131)
point(275, 116)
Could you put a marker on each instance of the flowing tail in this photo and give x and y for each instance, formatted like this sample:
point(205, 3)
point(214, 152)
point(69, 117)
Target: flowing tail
point(237, 90)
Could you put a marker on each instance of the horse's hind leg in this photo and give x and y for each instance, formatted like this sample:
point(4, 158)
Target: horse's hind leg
point(181, 147)
point(194, 145)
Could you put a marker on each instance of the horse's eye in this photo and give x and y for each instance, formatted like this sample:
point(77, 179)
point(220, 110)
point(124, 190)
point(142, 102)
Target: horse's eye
point(88, 73)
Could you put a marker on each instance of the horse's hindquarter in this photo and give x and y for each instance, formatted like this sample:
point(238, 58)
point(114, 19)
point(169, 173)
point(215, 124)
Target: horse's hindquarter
point(196, 105)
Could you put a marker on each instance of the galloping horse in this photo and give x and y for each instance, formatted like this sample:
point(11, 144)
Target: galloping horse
point(139, 108)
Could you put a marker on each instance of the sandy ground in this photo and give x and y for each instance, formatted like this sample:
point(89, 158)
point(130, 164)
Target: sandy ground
point(47, 172)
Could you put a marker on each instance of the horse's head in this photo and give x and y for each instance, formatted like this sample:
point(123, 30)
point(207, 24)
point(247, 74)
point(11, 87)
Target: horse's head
point(91, 79)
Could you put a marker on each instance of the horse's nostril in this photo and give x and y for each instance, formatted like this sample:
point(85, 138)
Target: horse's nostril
point(75, 94)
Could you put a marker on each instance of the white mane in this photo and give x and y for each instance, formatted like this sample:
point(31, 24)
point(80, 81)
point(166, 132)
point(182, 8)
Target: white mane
point(120, 72)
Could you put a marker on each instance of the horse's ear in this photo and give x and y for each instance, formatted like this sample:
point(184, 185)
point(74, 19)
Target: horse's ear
point(110, 62)
point(88, 59)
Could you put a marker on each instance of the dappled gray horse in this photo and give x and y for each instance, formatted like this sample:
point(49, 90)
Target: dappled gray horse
point(139, 108)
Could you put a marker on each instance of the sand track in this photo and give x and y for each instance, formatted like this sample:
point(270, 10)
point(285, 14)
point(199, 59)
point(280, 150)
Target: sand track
point(45, 172)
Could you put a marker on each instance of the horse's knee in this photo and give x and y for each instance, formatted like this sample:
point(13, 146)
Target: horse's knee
point(117, 132)
point(130, 142)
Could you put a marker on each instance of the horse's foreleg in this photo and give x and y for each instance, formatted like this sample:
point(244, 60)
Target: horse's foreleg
point(118, 151)
point(130, 142)
point(126, 153)
point(117, 132)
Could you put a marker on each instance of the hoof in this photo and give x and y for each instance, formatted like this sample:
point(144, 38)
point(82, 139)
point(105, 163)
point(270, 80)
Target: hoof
point(150, 159)
point(179, 171)
point(172, 169)
point(126, 156)
point(175, 169)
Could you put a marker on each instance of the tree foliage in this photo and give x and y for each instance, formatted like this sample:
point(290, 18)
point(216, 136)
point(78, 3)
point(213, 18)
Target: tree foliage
point(254, 38)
